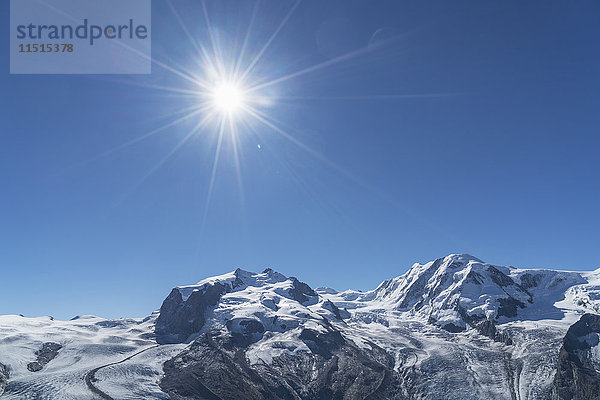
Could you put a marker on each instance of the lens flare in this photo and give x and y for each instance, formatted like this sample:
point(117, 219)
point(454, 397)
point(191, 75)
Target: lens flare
point(228, 98)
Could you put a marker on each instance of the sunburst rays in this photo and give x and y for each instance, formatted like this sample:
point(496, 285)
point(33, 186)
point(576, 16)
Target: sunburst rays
point(227, 95)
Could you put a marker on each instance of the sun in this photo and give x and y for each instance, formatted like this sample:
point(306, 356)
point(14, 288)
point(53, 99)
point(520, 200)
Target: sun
point(228, 98)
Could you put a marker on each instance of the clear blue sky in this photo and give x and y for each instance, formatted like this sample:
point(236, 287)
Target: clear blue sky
point(501, 162)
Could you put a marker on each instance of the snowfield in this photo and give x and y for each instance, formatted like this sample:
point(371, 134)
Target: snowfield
point(87, 342)
point(453, 328)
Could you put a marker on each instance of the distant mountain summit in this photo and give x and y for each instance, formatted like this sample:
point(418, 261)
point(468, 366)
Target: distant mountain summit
point(461, 291)
point(452, 328)
point(244, 303)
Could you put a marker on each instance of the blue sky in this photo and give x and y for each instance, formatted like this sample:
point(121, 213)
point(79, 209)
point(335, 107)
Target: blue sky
point(499, 159)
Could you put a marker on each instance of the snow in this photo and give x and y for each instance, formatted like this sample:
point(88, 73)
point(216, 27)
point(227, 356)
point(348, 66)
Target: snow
point(88, 342)
point(137, 378)
point(595, 355)
point(396, 317)
point(326, 290)
point(404, 315)
point(272, 346)
point(268, 276)
point(270, 304)
point(263, 300)
point(432, 289)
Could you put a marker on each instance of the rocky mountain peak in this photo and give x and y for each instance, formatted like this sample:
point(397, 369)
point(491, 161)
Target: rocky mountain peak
point(245, 304)
point(267, 336)
point(459, 291)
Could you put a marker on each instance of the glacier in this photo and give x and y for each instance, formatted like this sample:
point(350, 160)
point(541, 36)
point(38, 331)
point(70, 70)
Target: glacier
point(452, 328)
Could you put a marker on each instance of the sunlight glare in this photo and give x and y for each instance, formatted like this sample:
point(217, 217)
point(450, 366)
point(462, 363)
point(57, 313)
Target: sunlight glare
point(228, 97)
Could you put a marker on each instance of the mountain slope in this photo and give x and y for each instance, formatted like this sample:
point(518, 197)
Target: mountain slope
point(452, 328)
point(245, 304)
point(578, 372)
point(459, 291)
point(432, 324)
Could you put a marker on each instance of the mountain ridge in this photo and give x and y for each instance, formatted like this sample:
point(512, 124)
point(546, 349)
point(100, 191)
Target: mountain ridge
point(452, 328)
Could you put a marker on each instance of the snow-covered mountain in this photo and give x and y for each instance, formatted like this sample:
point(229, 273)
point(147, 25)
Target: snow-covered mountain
point(246, 304)
point(453, 328)
point(460, 291)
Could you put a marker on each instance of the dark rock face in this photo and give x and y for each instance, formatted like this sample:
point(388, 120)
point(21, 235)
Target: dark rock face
point(577, 376)
point(3, 377)
point(453, 328)
point(488, 328)
point(179, 319)
point(339, 314)
point(322, 344)
point(499, 278)
point(245, 331)
point(529, 281)
point(475, 278)
point(485, 327)
point(509, 307)
point(44, 355)
point(300, 291)
point(215, 367)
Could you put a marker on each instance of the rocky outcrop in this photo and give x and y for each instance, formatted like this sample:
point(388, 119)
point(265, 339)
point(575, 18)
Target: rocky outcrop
point(215, 367)
point(179, 318)
point(300, 291)
point(3, 377)
point(44, 355)
point(252, 307)
point(488, 328)
point(531, 280)
point(268, 337)
point(578, 370)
